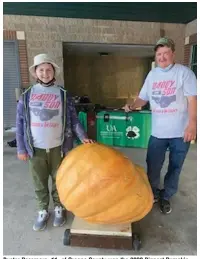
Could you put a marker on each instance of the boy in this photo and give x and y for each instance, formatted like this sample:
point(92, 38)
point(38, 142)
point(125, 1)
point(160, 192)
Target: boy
point(46, 120)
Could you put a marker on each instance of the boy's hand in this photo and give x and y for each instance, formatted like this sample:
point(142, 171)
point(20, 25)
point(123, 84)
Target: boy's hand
point(22, 157)
point(86, 140)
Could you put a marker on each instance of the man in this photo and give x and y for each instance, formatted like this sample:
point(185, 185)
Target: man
point(171, 90)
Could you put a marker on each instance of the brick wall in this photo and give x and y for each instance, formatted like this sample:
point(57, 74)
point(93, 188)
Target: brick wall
point(9, 35)
point(23, 62)
point(190, 39)
point(187, 53)
point(46, 34)
point(14, 35)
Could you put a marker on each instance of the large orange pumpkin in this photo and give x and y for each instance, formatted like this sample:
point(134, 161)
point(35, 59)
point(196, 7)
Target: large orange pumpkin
point(100, 185)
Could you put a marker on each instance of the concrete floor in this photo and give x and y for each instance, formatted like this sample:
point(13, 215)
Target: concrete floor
point(174, 234)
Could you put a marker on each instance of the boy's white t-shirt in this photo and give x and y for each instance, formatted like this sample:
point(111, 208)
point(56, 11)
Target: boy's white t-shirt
point(167, 93)
point(45, 116)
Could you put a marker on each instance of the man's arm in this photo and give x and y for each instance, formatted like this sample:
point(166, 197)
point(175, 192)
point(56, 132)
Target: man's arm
point(137, 103)
point(192, 109)
point(191, 130)
point(190, 91)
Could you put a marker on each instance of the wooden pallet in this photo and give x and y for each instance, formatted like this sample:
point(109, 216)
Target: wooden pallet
point(83, 234)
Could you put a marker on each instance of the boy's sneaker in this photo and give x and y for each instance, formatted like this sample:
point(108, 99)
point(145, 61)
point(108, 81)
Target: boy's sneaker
point(41, 220)
point(59, 216)
point(165, 206)
point(12, 143)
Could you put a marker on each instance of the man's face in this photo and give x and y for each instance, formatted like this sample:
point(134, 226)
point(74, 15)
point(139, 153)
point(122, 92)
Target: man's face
point(164, 56)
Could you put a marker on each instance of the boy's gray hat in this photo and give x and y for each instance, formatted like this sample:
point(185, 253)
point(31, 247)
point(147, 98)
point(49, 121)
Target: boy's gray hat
point(43, 58)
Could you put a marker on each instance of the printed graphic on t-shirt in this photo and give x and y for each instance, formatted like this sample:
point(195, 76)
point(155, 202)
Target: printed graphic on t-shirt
point(45, 107)
point(164, 94)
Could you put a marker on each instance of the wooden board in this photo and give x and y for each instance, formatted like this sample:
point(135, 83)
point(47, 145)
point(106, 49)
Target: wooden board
point(79, 226)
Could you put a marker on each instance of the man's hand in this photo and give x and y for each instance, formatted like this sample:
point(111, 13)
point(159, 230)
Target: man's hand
point(86, 140)
point(136, 104)
point(127, 108)
point(190, 132)
point(23, 157)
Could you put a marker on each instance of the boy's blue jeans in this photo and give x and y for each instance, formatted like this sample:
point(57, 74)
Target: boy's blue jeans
point(155, 158)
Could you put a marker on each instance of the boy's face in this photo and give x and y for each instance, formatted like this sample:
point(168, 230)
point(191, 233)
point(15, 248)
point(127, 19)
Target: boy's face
point(45, 72)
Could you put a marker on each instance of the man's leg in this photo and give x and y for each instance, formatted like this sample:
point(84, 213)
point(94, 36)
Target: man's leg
point(178, 151)
point(155, 159)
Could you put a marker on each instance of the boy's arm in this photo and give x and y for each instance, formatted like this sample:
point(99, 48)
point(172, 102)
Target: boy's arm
point(21, 149)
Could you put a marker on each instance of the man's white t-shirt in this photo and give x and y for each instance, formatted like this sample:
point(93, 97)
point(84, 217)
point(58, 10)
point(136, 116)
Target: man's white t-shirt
point(45, 116)
point(167, 93)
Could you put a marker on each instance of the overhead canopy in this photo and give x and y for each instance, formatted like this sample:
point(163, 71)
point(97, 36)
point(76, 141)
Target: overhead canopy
point(167, 12)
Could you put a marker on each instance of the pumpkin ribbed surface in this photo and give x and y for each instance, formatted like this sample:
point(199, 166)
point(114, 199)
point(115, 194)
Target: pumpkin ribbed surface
point(100, 185)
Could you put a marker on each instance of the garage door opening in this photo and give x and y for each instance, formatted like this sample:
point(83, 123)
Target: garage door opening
point(108, 73)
